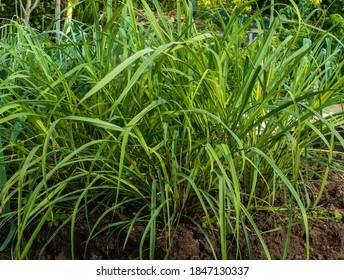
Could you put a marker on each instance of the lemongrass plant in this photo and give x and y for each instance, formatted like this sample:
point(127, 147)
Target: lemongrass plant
point(168, 125)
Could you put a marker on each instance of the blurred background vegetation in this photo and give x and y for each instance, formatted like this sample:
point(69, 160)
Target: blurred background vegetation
point(324, 13)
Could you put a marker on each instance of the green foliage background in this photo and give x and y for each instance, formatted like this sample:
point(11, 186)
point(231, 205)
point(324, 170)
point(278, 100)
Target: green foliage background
point(47, 7)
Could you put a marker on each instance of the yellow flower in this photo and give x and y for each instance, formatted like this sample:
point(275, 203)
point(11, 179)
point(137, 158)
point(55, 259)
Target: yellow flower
point(204, 3)
point(209, 3)
point(316, 2)
point(248, 8)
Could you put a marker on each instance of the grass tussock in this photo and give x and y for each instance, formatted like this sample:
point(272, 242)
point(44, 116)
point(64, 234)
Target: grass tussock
point(169, 124)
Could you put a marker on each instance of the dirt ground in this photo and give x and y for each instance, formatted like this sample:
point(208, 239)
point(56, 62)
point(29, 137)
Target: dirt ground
point(189, 243)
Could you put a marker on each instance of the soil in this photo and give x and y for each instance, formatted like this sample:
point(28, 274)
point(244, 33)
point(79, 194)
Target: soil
point(189, 243)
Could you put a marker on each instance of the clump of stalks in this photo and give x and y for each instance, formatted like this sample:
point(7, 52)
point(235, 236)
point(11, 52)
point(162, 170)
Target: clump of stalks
point(168, 125)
